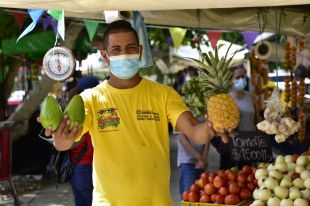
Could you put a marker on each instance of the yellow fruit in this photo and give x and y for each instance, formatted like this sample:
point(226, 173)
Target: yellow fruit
point(215, 82)
point(223, 112)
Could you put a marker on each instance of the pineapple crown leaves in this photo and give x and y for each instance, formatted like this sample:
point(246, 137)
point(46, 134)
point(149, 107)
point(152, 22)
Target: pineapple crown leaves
point(214, 72)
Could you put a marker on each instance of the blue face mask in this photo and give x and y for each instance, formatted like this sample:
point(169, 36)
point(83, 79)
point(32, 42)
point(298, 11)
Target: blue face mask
point(240, 84)
point(124, 66)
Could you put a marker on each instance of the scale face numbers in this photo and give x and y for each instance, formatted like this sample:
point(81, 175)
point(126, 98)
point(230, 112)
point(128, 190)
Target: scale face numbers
point(59, 63)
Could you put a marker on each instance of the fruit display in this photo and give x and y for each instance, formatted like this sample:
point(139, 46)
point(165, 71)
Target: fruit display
point(215, 83)
point(228, 187)
point(274, 122)
point(51, 113)
point(286, 182)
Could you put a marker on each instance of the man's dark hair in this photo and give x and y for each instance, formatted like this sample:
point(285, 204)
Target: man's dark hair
point(117, 27)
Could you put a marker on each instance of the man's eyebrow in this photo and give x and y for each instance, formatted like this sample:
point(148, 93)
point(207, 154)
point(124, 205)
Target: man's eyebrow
point(132, 44)
point(116, 46)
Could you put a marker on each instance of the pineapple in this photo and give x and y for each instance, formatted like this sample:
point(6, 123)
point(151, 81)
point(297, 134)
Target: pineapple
point(215, 83)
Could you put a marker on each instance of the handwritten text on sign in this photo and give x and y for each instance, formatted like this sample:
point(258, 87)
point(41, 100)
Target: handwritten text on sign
point(251, 146)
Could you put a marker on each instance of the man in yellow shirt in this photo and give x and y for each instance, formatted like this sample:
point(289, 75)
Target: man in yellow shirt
point(128, 117)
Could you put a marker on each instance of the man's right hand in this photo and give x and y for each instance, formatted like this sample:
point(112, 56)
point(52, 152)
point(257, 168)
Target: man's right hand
point(63, 137)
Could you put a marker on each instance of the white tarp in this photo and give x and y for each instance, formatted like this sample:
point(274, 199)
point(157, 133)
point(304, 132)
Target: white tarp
point(101, 5)
point(204, 14)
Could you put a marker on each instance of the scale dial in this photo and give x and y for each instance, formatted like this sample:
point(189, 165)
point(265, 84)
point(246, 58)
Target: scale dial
point(59, 63)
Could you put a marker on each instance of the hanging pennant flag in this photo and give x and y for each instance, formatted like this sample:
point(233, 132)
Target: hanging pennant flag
point(35, 15)
point(249, 37)
point(91, 27)
point(19, 18)
point(213, 37)
point(59, 15)
point(177, 35)
point(49, 21)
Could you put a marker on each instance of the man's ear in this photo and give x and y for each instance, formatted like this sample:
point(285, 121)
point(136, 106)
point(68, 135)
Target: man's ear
point(104, 56)
point(141, 50)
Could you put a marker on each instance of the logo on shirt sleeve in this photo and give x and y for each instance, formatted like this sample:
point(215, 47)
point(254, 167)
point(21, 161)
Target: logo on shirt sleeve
point(108, 118)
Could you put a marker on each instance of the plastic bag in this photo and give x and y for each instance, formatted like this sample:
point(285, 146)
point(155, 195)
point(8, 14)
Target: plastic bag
point(275, 123)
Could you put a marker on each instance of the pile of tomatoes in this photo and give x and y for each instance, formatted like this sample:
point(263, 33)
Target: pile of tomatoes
point(223, 187)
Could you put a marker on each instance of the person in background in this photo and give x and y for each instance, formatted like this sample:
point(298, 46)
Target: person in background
point(192, 161)
point(81, 181)
point(248, 109)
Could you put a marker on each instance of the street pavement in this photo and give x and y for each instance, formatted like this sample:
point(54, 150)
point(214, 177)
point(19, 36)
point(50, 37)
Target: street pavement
point(49, 195)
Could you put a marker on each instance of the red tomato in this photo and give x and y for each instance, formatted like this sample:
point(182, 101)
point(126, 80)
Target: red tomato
point(232, 199)
point(193, 197)
point(201, 183)
point(251, 186)
point(204, 176)
point(250, 178)
point(223, 191)
point(255, 182)
point(185, 195)
point(205, 199)
point(213, 197)
point(211, 177)
point(233, 188)
point(245, 194)
point(195, 188)
point(241, 184)
point(246, 169)
point(231, 175)
point(219, 199)
point(218, 182)
point(210, 189)
point(241, 178)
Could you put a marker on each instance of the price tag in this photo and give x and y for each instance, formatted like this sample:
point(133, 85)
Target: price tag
point(251, 146)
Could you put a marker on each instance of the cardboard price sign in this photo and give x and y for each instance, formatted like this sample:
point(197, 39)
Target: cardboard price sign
point(251, 146)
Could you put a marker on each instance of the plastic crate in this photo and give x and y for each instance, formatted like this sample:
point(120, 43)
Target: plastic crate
point(242, 203)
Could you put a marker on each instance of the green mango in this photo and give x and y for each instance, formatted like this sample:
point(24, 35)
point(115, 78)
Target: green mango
point(51, 114)
point(75, 110)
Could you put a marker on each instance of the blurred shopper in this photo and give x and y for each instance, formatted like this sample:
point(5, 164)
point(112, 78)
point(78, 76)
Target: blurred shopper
point(192, 161)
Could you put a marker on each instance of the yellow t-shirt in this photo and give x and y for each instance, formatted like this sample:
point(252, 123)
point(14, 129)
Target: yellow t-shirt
point(129, 130)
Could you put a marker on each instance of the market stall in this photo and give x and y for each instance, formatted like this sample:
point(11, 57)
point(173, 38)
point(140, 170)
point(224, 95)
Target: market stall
point(250, 184)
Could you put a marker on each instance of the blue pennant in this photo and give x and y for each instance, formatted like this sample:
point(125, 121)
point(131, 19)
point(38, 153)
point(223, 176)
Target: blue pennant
point(35, 15)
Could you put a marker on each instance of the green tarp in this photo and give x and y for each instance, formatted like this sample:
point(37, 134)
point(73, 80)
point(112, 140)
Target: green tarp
point(34, 46)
